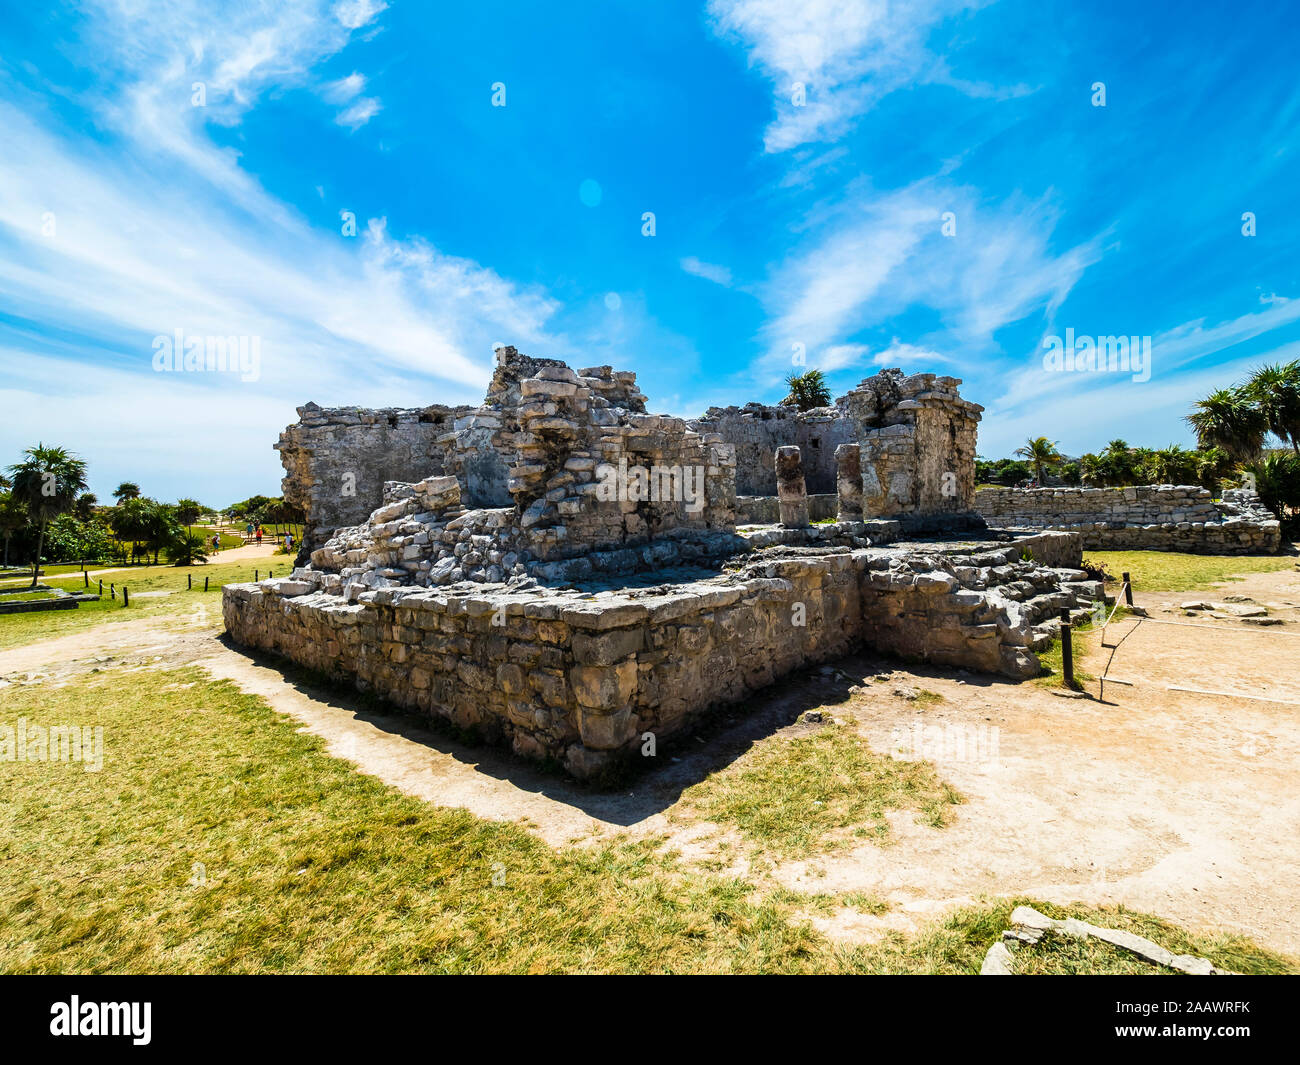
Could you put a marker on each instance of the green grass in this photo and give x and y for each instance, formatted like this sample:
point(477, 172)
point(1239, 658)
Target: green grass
point(18, 629)
point(23, 597)
point(218, 838)
point(1061, 954)
point(796, 795)
point(11, 578)
point(1168, 571)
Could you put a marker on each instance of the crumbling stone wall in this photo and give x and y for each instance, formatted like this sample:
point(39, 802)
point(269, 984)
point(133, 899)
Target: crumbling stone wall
point(917, 446)
point(1145, 517)
point(591, 479)
point(433, 599)
point(756, 430)
point(336, 459)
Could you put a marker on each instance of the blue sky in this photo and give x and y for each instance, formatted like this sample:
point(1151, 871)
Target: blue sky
point(782, 223)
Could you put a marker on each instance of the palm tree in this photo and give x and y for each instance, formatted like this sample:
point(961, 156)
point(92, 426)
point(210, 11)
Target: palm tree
point(1172, 465)
point(1275, 390)
point(126, 490)
point(187, 513)
point(13, 516)
point(1041, 452)
point(1090, 468)
point(807, 390)
point(1227, 419)
point(47, 482)
point(85, 506)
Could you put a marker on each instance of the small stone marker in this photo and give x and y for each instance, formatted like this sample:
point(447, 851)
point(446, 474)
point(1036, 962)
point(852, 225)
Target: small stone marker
point(792, 493)
point(848, 481)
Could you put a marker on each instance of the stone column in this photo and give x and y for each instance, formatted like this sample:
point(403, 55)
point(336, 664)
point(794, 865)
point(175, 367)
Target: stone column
point(848, 481)
point(791, 493)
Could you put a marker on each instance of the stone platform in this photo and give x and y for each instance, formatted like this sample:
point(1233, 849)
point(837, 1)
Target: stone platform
point(581, 674)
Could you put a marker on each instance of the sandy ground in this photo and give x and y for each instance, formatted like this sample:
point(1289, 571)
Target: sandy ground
point(1174, 802)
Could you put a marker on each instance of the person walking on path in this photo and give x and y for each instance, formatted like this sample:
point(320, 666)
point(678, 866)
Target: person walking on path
point(259, 535)
point(216, 543)
point(288, 542)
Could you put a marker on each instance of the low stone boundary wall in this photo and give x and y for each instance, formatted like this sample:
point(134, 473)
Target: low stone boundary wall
point(765, 510)
point(580, 677)
point(58, 600)
point(1148, 517)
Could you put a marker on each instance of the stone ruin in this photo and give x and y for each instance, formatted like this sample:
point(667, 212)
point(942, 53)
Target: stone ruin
point(561, 571)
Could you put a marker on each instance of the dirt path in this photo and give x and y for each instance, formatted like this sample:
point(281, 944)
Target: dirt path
point(235, 554)
point(1172, 802)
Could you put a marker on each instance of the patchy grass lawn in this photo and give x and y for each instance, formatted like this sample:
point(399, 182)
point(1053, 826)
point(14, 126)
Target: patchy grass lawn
point(24, 597)
point(795, 795)
point(18, 629)
point(1171, 571)
point(217, 838)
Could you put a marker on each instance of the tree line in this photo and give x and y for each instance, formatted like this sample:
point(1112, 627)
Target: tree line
point(1233, 426)
point(48, 515)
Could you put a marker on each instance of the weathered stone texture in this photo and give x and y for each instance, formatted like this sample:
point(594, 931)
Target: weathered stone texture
point(1150, 517)
point(917, 438)
point(756, 430)
point(582, 677)
point(337, 459)
point(488, 585)
point(791, 492)
point(848, 482)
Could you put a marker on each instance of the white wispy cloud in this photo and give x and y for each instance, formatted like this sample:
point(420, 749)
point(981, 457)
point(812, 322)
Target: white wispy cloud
point(360, 109)
point(848, 56)
point(344, 90)
point(719, 275)
point(874, 255)
point(108, 241)
point(359, 113)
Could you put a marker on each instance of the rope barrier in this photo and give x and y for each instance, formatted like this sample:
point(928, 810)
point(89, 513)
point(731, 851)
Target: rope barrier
point(1140, 618)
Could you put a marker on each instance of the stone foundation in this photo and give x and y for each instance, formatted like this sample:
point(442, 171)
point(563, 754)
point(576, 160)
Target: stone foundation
point(1148, 517)
point(579, 676)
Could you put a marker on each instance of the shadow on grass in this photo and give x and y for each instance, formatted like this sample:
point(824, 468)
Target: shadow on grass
point(645, 786)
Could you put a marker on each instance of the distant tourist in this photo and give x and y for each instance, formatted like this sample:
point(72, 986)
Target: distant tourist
point(288, 542)
point(216, 543)
point(259, 534)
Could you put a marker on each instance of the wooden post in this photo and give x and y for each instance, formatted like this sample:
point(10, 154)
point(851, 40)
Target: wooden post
point(205, 584)
point(1128, 590)
point(126, 596)
point(101, 586)
point(112, 591)
point(1067, 649)
point(256, 575)
point(189, 582)
point(85, 578)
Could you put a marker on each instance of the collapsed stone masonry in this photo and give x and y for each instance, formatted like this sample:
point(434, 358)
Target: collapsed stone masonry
point(564, 573)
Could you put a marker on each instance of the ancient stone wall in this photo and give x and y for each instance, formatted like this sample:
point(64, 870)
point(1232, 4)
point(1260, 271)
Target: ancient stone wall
point(765, 510)
point(578, 677)
point(337, 459)
point(917, 446)
point(1146, 517)
point(756, 430)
